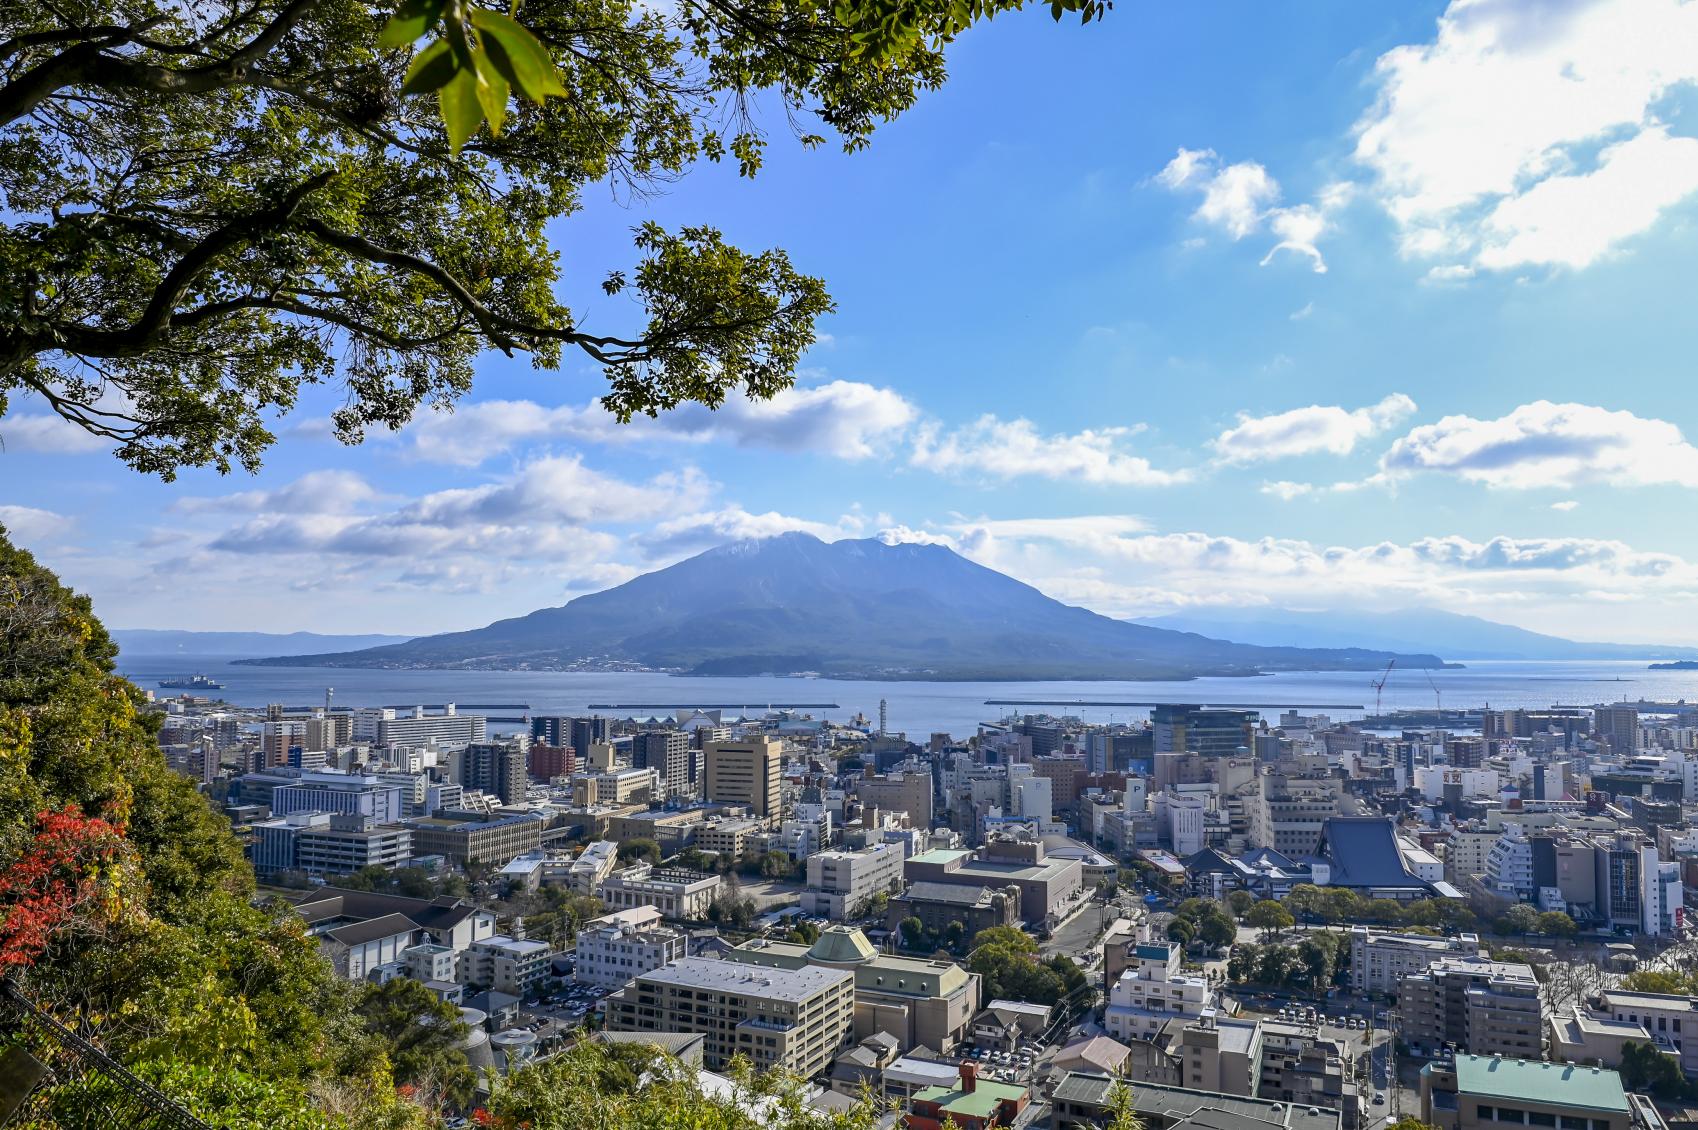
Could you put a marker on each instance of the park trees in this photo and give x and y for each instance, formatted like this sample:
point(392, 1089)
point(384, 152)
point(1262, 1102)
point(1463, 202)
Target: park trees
point(1270, 917)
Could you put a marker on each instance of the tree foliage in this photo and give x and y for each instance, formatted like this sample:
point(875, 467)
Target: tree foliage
point(1644, 1068)
point(211, 204)
point(1010, 965)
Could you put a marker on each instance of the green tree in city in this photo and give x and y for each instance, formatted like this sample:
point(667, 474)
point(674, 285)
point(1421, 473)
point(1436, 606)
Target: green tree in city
point(639, 849)
point(1240, 902)
point(1518, 919)
point(913, 932)
point(1270, 917)
point(421, 1034)
point(1644, 1068)
point(1556, 924)
point(274, 194)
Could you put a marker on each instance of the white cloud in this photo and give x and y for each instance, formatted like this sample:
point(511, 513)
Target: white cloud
point(47, 434)
point(1006, 449)
point(1316, 429)
point(843, 419)
point(30, 524)
point(1549, 445)
point(1285, 490)
point(691, 533)
point(316, 492)
point(1303, 312)
point(1565, 505)
point(1240, 198)
point(1527, 133)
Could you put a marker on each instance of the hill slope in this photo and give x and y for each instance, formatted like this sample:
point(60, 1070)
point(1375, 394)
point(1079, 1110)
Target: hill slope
point(850, 609)
point(161, 641)
point(1451, 634)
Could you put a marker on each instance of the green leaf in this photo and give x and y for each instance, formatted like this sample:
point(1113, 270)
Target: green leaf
point(410, 21)
point(461, 111)
point(431, 70)
point(522, 58)
point(492, 91)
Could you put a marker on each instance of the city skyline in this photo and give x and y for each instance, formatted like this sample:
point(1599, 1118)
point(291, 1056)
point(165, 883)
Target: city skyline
point(1285, 311)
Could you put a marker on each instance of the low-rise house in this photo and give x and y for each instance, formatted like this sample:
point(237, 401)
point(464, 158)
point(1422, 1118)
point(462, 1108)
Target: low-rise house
point(970, 1103)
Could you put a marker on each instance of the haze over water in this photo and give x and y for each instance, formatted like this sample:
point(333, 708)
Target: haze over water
point(920, 708)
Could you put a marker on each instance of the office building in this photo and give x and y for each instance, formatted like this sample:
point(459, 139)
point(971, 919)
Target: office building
point(906, 792)
point(1618, 728)
point(748, 773)
point(386, 726)
point(1196, 729)
point(1670, 1019)
point(1288, 813)
point(515, 966)
point(617, 947)
point(668, 753)
point(343, 793)
point(1048, 886)
point(846, 884)
point(1487, 1092)
point(495, 842)
point(796, 1020)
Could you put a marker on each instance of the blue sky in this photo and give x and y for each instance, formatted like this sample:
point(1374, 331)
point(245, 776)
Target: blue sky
point(1320, 305)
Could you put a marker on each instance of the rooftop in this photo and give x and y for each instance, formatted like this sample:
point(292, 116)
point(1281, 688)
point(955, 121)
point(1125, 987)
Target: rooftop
point(1177, 1107)
point(1584, 1088)
point(940, 855)
point(1651, 1000)
point(981, 1102)
point(796, 985)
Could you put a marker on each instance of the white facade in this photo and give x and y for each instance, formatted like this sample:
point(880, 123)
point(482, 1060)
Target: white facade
point(507, 965)
point(1152, 991)
point(1509, 866)
point(841, 882)
point(615, 948)
point(593, 865)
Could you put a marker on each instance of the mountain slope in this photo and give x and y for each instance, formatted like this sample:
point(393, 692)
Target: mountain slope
point(851, 609)
point(1450, 634)
point(159, 641)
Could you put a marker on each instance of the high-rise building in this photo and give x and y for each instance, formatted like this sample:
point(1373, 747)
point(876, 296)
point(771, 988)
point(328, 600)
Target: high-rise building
point(496, 767)
point(551, 729)
point(587, 732)
point(546, 762)
point(667, 751)
point(746, 772)
point(1195, 729)
point(1617, 727)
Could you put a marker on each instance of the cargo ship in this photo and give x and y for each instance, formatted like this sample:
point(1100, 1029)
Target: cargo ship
point(191, 683)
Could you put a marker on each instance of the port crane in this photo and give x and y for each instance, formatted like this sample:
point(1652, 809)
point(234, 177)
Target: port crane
point(1438, 700)
point(1379, 685)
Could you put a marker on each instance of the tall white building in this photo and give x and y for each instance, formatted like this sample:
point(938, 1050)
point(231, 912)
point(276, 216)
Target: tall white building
point(841, 883)
point(617, 947)
point(1152, 991)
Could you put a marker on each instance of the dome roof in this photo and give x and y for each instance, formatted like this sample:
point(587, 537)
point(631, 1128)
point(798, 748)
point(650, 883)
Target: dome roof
point(842, 945)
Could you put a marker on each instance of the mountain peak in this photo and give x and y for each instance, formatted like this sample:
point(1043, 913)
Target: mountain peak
point(853, 608)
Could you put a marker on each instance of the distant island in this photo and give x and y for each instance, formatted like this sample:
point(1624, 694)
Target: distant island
point(1676, 665)
point(852, 609)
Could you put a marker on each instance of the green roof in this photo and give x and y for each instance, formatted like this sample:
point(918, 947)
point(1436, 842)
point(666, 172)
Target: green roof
point(939, 855)
point(842, 945)
point(981, 1102)
point(1560, 1084)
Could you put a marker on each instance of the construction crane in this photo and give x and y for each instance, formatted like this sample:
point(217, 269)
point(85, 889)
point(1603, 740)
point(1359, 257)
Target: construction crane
point(1438, 700)
point(1379, 685)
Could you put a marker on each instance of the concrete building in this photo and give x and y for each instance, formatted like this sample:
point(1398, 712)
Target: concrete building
point(669, 753)
point(1085, 1101)
point(1379, 961)
point(794, 1019)
point(680, 895)
point(614, 787)
point(1670, 1019)
point(616, 947)
point(844, 884)
point(1618, 728)
point(969, 1103)
point(748, 773)
point(1581, 1037)
point(907, 792)
point(505, 964)
point(1288, 813)
point(1485, 1093)
point(493, 842)
point(594, 863)
point(1202, 730)
point(343, 793)
point(1047, 886)
point(729, 839)
point(1475, 1005)
point(498, 768)
point(1152, 991)
point(937, 905)
point(918, 1001)
point(386, 726)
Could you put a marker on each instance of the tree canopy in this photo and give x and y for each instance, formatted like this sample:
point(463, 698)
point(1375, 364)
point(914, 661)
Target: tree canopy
point(213, 203)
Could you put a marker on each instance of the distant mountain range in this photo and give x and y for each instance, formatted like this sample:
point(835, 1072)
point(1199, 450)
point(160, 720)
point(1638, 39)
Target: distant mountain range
point(134, 642)
point(1450, 634)
point(846, 609)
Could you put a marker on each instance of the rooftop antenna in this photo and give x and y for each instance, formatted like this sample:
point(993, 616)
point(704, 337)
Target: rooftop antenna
point(1379, 684)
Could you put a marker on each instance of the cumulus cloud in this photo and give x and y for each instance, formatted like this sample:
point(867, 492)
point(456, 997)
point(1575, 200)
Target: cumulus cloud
point(1528, 134)
point(1565, 505)
point(1548, 445)
point(47, 434)
point(843, 419)
point(316, 492)
point(691, 533)
point(30, 524)
point(1240, 198)
point(1317, 429)
point(1007, 449)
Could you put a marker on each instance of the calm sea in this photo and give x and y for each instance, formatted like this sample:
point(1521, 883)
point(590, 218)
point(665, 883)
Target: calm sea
point(923, 708)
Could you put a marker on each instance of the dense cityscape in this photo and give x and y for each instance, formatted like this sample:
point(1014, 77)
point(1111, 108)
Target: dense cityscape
point(1249, 921)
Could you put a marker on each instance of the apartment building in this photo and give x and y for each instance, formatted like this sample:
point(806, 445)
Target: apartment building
point(498, 768)
point(385, 726)
point(668, 753)
point(843, 884)
point(729, 839)
point(1379, 961)
point(679, 894)
point(616, 947)
point(748, 773)
point(505, 964)
point(793, 1019)
point(1475, 1005)
point(1152, 991)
